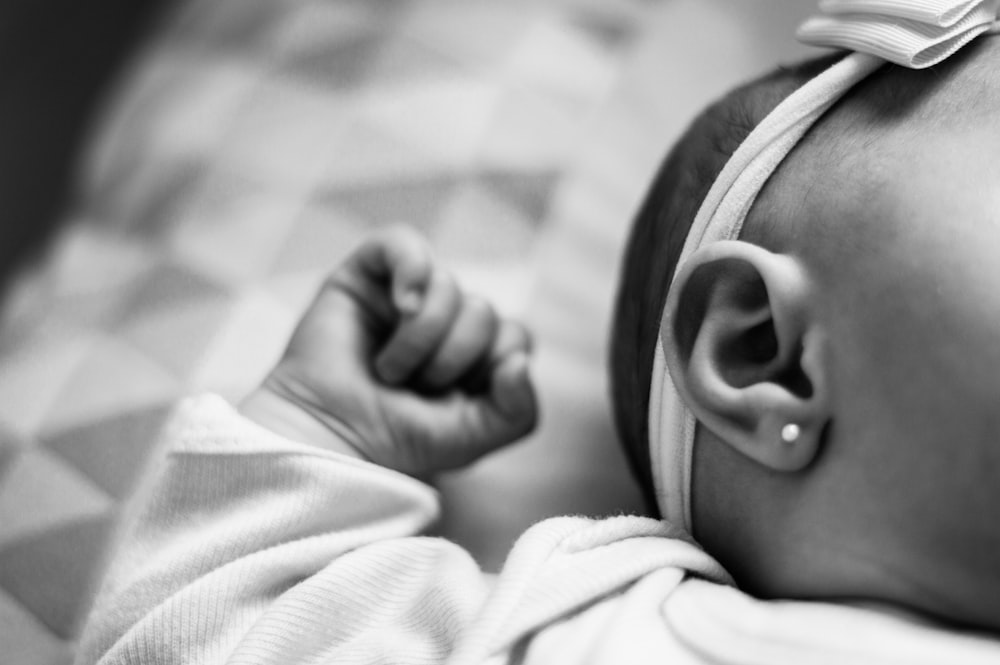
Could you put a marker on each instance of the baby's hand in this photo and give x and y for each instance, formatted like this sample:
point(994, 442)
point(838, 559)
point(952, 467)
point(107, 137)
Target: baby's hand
point(393, 363)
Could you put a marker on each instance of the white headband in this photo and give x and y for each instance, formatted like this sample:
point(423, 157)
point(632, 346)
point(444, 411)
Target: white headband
point(911, 33)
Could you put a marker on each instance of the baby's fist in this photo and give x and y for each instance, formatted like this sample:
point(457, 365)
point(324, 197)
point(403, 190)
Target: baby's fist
point(394, 363)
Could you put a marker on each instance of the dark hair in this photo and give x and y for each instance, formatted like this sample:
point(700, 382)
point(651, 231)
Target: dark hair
point(657, 238)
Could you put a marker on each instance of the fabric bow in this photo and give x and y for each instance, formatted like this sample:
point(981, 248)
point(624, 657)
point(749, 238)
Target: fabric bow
point(912, 33)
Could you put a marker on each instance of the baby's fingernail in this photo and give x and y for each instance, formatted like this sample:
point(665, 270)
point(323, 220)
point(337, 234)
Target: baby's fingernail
point(410, 300)
point(515, 395)
point(518, 363)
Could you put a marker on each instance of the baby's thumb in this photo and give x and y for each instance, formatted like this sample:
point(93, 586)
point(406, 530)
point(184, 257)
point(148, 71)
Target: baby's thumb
point(398, 257)
point(409, 261)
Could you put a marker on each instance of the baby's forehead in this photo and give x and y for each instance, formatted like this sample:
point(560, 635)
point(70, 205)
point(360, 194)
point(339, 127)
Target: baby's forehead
point(866, 155)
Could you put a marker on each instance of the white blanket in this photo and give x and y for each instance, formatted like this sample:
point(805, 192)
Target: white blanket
point(248, 548)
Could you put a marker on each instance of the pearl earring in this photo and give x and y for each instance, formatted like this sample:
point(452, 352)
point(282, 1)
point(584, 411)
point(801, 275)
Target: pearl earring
point(790, 433)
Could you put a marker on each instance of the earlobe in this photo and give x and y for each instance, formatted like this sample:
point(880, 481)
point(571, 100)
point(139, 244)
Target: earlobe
point(745, 352)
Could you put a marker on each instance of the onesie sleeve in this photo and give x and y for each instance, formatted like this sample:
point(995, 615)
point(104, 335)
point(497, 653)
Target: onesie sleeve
point(245, 547)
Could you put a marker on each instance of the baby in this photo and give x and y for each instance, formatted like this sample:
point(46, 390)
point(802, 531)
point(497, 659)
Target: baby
point(843, 357)
point(821, 328)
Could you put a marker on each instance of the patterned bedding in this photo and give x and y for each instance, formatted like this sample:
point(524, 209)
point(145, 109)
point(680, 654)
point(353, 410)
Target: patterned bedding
point(251, 144)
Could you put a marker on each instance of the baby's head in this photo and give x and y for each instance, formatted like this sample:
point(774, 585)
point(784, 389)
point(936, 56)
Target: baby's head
point(862, 305)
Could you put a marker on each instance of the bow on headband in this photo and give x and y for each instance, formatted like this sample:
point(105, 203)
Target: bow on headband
point(912, 33)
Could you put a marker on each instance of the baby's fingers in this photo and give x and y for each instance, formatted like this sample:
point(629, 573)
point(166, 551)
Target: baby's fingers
point(512, 337)
point(421, 330)
point(401, 257)
point(467, 344)
point(513, 407)
point(387, 274)
point(508, 411)
point(456, 428)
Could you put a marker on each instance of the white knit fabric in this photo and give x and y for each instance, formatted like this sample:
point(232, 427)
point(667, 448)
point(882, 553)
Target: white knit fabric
point(248, 548)
point(913, 33)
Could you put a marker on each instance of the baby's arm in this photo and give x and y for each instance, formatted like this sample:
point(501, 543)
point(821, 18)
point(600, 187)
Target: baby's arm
point(268, 537)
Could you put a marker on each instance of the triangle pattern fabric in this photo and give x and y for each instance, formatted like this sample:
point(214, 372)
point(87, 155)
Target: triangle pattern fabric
point(111, 451)
point(447, 119)
point(530, 193)
point(479, 224)
point(377, 156)
point(28, 641)
point(69, 561)
point(115, 377)
point(35, 372)
point(403, 61)
point(173, 315)
point(478, 34)
point(320, 237)
point(41, 492)
point(345, 61)
point(414, 201)
point(248, 148)
point(9, 448)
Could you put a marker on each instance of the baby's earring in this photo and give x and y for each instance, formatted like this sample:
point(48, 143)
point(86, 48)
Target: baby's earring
point(790, 433)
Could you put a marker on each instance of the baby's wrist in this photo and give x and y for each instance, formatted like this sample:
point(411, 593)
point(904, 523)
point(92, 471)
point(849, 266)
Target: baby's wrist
point(285, 417)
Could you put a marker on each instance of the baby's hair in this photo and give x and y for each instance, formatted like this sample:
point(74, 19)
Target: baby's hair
point(657, 238)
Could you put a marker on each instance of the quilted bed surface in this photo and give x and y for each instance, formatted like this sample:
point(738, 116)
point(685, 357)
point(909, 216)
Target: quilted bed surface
point(250, 146)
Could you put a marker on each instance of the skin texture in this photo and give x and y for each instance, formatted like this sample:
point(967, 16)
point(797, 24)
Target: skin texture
point(394, 364)
point(891, 208)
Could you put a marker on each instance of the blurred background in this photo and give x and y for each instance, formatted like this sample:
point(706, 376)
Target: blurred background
point(177, 176)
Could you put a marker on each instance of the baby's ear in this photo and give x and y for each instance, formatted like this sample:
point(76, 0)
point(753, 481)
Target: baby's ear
point(746, 353)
